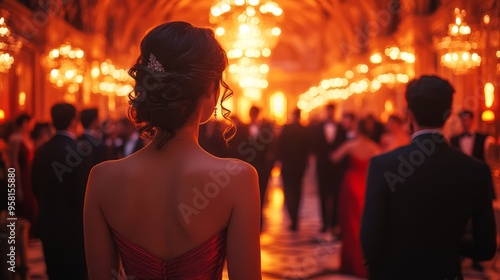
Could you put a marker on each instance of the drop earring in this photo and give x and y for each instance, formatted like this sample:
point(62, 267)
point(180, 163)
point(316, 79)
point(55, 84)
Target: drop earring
point(215, 113)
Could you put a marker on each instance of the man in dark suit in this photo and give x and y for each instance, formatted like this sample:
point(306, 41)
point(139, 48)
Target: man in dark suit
point(420, 197)
point(292, 152)
point(253, 143)
point(473, 144)
point(91, 142)
point(470, 142)
point(132, 141)
point(59, 189)
point(326, 138)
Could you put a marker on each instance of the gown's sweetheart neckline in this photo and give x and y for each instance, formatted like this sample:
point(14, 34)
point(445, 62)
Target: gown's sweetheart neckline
point(146, 252)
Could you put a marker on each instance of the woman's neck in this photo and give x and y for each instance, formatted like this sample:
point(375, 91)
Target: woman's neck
point(184, 138)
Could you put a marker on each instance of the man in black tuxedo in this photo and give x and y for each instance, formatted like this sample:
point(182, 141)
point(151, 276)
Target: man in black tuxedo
point(292, 151)
point(470, 142)
point(59, 188)
point(91, 142)
point(473, 144)
point(326, 138)
point(420, 197)
point(253, 143)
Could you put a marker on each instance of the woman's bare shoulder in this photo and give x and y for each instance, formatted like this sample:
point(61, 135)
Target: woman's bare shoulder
point(236, 171)
point(105, 172)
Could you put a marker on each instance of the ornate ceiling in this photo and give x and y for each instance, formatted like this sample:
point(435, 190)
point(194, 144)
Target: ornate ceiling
point(315, 33)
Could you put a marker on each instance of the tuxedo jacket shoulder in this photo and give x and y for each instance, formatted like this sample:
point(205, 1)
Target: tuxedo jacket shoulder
point(419, 199)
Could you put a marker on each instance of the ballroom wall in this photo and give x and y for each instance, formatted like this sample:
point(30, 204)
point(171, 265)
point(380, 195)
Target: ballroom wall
point(315, 45)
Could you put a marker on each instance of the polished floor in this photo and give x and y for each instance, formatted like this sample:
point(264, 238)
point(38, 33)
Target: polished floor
point(288, 255)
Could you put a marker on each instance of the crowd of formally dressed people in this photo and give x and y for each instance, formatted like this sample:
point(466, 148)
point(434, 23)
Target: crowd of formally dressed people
point(52, 162)
point(404, 202)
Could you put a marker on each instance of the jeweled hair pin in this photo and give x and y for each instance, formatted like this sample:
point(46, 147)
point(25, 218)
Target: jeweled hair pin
point(154, 64)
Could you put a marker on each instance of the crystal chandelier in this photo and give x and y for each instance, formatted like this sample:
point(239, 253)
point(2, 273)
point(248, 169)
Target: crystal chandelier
point(9, 44)
point(459, 46)
point(109, 80)
point(67, 67)
point(248, 30)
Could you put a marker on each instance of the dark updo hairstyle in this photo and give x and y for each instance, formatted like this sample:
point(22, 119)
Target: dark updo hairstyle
point(177, 66)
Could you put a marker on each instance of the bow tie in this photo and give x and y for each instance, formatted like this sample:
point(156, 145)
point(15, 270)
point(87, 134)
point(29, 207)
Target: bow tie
point(467, 134)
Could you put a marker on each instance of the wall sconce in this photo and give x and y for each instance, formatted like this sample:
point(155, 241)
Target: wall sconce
point(489, 98)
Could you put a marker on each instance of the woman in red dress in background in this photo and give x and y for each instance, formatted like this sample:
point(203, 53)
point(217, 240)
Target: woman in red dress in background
point(359, 151)
point(21, 152)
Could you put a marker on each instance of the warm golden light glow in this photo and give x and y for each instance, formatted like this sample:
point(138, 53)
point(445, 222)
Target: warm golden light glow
point(489, 95)
point(248, 30)
point(488, 116)
point(9, 44)
point(2, 115)
point(22, 99)
point(278, 107)
point(67, 67)
point(376, 58)
point(109, 80)
point(486, 19)
point(459, 47)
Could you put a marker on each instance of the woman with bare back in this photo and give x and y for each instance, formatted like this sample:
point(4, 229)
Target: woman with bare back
point(172, 210)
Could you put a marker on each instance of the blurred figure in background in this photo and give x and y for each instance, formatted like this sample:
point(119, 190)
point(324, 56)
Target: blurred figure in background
point(132, 141)
point(475, 145)
point(112, 140)
point(395, 136)
point(470, 142)
point(41, 133)
point(210, 138)
point(20, 156)
point(91, 141)
point(59, 187)
point(326, 138)
point(349, 124)
point(376, 127)
point(253, 143)
point(358, 151)
point(292, 152)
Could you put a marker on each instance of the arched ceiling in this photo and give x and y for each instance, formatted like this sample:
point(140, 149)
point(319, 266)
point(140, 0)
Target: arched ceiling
point(314, 35)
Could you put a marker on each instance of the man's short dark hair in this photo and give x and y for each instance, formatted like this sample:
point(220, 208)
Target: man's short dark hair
point(466, 114)
point(330, 106)
point(296, 113)
point(88, 116)
point(349, 115)
point(254, 110)
point(62, 115)
point(21, 119)
point(430, 98)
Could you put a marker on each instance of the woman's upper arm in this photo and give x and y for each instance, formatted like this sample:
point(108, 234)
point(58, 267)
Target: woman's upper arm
point(341, 152)
point(101, 254)
point(243, 239)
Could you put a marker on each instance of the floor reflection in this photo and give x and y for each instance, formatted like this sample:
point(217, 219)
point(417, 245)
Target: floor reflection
point(288, 255)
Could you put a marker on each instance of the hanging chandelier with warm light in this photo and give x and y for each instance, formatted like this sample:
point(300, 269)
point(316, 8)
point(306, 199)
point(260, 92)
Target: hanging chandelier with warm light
point(248, 30)
point(109, 80)
point(9, 44)
point(66, 66)
point(459, 47)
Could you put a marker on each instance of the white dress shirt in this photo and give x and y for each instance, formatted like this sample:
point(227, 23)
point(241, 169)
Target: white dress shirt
point(128, 149)
point(330, 129)
point(254, 130)
point(466, 143)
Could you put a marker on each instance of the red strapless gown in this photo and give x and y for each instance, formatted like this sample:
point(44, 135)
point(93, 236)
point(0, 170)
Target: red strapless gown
point(351, 202)
point(206, 261)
